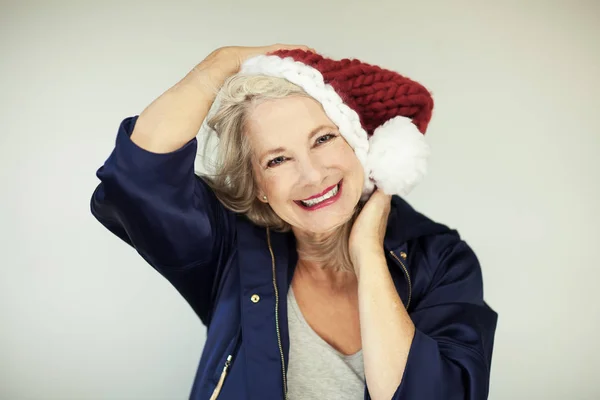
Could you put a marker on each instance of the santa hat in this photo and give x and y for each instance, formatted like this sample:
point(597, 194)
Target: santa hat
point(382, 115)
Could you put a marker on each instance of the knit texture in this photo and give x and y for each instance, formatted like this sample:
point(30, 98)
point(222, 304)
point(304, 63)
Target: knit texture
point(375, 93)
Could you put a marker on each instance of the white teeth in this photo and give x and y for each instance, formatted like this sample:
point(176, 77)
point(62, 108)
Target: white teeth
point(328, 195)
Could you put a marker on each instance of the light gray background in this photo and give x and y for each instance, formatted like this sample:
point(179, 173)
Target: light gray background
point(515, 168)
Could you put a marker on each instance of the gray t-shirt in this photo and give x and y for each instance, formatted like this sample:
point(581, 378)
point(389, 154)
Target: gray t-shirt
point(316, 370)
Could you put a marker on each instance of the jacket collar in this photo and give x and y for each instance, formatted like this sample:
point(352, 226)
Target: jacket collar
point(405, 224)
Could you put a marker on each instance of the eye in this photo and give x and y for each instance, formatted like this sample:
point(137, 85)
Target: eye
point(276, 161)
point(325, 138)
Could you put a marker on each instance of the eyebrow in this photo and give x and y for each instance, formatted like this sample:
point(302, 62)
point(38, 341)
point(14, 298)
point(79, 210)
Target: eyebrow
point(310, 136)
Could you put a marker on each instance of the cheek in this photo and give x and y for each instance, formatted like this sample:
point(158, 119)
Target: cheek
point(353, 170)
point(276, 187)
point(349, 161)
point(270, 183)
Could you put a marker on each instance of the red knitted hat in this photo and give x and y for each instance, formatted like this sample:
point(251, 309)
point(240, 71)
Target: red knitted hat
point(381, 114)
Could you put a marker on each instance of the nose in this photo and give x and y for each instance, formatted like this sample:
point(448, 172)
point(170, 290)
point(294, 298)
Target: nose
point(311, 171)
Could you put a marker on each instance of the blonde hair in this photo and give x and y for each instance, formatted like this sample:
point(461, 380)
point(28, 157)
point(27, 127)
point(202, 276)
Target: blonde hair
point(233, 181)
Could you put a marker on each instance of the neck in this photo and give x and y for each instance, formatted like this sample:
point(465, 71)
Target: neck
point(315, 249)
point(320, 258)
point(310, 245)
point(325, 251)
point(330, 279)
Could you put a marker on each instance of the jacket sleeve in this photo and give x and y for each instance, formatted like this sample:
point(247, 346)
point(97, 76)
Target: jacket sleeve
point(450, 356)
point(155, 203)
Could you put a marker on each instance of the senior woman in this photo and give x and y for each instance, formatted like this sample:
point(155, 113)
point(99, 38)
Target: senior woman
point(293, 245)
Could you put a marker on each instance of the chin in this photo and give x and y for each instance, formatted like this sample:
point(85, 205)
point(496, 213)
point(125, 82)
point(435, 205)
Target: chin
point(328, 221)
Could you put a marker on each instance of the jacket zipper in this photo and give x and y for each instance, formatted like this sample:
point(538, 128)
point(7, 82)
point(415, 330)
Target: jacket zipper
point(407, 278)
point(277, 314)
point(232, 348)
point(219, 386)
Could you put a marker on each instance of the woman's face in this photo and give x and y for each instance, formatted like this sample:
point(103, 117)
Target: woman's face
point(311, 177)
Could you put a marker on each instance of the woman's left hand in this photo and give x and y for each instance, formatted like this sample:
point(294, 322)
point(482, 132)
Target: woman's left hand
point(368, 231)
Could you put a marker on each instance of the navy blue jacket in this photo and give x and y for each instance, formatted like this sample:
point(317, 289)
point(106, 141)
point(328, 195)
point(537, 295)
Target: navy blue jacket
point(235, 275)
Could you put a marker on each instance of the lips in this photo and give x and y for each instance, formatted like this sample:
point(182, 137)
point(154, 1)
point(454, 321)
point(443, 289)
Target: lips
point(323, 199)
point(330, 188)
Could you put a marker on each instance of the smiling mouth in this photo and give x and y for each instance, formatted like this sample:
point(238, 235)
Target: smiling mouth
point(323, 200)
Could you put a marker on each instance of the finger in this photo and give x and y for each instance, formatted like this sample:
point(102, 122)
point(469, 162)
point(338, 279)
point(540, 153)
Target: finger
point(280, 46)
point(377, 204)
point(383, 200)
point(381, 195)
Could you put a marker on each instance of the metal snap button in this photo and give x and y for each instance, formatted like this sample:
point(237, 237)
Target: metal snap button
point(255, 298)
point(403, 255)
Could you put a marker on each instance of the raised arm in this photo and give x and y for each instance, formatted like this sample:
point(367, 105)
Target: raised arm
point(150, 197)
point(176, 116)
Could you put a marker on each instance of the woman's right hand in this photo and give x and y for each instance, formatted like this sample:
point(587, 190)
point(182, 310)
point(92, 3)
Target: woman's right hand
point(226, 61)
point(176, 116)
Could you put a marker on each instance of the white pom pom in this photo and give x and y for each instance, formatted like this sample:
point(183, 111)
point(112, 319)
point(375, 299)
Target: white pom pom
point(398, 155)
